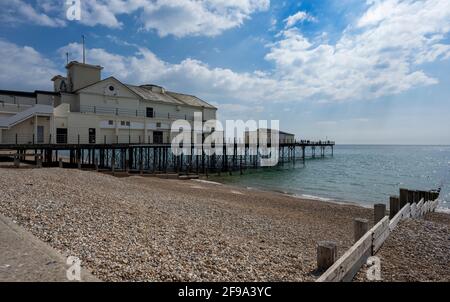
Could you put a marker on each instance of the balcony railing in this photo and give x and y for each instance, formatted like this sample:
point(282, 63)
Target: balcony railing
point(24, 139)
point(133, 113)
point(14, 108)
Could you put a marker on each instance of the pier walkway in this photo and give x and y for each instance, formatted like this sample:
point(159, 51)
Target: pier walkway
point(159, 158)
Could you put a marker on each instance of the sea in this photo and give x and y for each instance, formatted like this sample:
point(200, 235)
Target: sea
point(363, 174)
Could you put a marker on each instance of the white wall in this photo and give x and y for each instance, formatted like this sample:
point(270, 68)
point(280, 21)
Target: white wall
point(79, 124)
point(25, 131)
point(45, 99)
point(80, 76)
point(122, 98)
point(72, 100)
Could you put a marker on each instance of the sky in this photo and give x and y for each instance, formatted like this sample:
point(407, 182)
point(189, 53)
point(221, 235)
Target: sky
point(354, 71)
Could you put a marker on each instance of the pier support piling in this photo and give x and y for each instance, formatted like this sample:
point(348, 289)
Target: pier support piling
point(155, 158)
point(39, 161)
point(17, 161)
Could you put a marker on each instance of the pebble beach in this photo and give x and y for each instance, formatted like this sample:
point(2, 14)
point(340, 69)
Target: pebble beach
point(151, 229)
point(417, 251)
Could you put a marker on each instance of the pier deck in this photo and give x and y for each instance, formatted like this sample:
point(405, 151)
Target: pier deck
point(157, 158)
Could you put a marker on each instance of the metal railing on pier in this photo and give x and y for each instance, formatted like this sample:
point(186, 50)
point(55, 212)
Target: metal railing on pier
point(131, 136)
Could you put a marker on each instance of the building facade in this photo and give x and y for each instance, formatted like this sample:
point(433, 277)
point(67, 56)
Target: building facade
point(255, 136)
point(85, 109)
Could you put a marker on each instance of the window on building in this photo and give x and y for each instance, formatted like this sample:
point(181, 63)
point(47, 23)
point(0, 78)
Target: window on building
point(158, 125)
point(110, 122)
point(128, 123)
point(122, 123)
point(150, 112)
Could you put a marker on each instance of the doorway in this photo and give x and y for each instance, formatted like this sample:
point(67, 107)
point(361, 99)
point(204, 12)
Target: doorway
point(157, 137)
point(40, 134)
point(61, 135)
point(91, 135)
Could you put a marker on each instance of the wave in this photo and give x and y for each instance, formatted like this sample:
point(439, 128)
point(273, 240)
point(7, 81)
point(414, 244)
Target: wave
point(208, 182)
point(440, 209)
point(307, 196)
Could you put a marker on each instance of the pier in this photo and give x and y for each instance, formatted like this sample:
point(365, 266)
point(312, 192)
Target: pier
point(159, 158)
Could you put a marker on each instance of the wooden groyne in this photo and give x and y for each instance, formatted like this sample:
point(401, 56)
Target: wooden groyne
point(158, 158)
point(409, 204)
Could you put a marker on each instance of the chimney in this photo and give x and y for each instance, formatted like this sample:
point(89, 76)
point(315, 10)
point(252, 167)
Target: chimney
point(80, 75)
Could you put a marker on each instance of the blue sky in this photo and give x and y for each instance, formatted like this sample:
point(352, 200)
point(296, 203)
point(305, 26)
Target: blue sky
point(374, 71)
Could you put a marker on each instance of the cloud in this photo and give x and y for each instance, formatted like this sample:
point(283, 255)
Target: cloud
point(241, 108)
point(29, 71)
point(15, 12)
point(189, 75)
point(235, 111)
point(357, 122)
point(377, 55)
point(198, 18)
point(326, 123)
point(300, 16)
point(273, 24)
point(101, 13)
point(179, 18)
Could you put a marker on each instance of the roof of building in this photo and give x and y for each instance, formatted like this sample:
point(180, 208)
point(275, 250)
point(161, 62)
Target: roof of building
point(46, 92)
point(270, 130)
point(168, 97)
point(286, 133)
point(190, 99)
point(27, 93)
point(84, 65)
point(149, 95)
point(56, 77)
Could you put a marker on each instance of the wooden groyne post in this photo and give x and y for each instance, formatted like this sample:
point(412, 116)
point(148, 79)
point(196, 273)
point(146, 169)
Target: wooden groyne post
point(326, 254)
point(403, 197)
point(360, 226)
point(368, 243)
point(394, 206)
point(379, 211)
